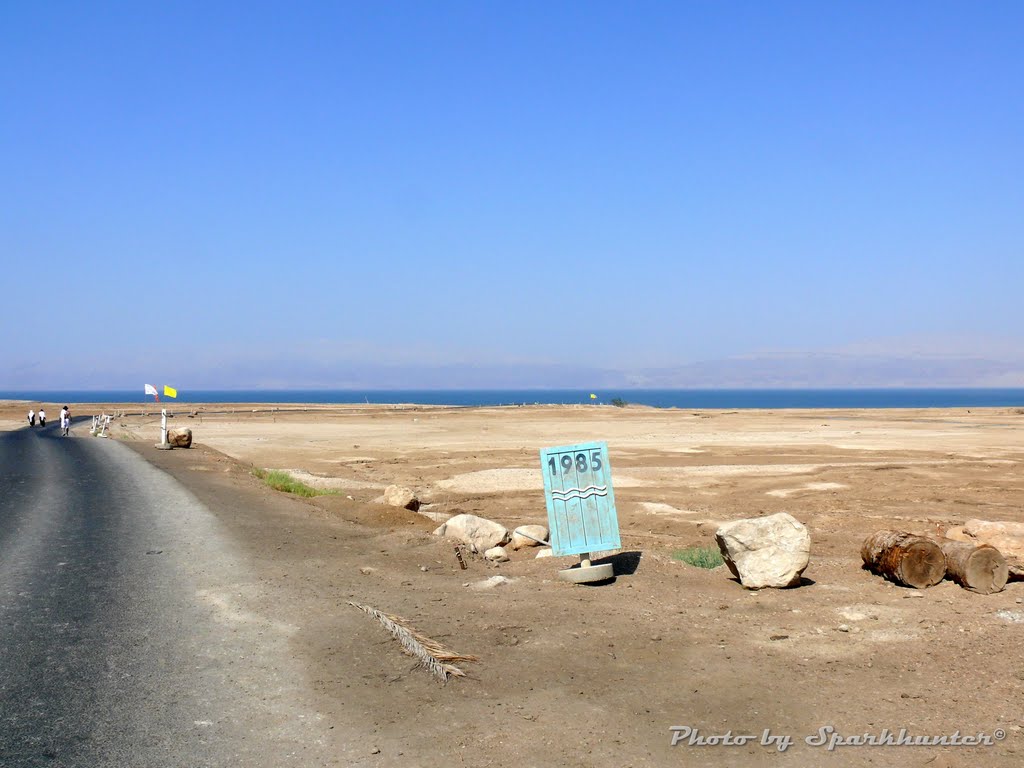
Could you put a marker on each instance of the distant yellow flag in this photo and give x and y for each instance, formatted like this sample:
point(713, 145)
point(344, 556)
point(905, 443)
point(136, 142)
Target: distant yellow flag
point(170, 391)
point(593, 397)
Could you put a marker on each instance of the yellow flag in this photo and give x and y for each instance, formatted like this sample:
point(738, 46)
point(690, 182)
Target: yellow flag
point(170, 391)
point(593, 397)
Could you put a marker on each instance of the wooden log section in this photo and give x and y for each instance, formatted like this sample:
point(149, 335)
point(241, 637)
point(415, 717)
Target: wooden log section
point(905, 558)
point(1007, 537)
point(979, 568)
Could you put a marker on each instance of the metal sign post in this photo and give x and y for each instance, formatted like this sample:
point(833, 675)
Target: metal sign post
point(581, 507)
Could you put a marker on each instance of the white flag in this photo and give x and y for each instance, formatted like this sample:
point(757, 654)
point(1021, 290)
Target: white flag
point(151, 390)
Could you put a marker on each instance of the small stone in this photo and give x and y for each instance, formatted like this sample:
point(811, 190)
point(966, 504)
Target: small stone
point(375, 751)
point(496, 555)
point(546, 552)
point(529, 536)
point(423, 568)
point(843, 628)
point(491, 583)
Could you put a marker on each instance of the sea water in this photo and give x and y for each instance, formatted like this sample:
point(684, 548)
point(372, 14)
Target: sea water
point(658, 398)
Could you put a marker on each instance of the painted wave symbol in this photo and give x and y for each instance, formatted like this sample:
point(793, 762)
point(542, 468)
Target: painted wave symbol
point(580, 493)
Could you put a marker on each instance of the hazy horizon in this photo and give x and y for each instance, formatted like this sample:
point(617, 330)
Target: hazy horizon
point(780, 370)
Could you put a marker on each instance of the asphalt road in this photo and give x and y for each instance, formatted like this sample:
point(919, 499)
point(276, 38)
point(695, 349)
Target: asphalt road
point(123, 638)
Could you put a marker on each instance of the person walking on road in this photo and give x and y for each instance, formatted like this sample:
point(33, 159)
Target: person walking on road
point(65, 422)
point(31, 417)
point(42, 418)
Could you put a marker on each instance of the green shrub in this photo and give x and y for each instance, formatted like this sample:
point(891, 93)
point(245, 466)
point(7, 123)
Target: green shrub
point(618, 402)
point(702, 557)
point(282, 481)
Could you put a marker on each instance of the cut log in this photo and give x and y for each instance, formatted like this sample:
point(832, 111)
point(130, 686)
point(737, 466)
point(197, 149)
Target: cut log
point(981, 569)
point(1008, 538)
point(905, 558)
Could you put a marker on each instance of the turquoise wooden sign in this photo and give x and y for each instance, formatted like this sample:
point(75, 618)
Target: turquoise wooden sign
point(580, 500)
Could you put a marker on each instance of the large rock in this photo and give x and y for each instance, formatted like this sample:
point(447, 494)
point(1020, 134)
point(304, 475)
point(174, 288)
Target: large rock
point(521, 536)
point(397, 496)
point(1008, 538)
point(479, 533)
point(180, 437)
point(765, 551)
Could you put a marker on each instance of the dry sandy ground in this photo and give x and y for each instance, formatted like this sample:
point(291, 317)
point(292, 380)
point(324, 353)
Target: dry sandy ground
point(572, 675)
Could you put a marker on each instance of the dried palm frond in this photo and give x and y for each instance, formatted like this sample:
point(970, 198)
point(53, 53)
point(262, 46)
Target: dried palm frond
point(431, 654)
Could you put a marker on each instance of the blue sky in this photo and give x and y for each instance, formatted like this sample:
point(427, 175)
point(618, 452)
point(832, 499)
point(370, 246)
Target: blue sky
point(198, 191)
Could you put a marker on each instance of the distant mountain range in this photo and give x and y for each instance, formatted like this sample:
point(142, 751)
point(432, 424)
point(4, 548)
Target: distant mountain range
point(799, 372)
point(826, 370)
point(780, 371)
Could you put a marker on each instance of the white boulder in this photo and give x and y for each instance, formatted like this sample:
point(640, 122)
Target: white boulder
point(765, 551)
point(397, 496)
point(180, 437)
point(529, 536)
point(479, 533)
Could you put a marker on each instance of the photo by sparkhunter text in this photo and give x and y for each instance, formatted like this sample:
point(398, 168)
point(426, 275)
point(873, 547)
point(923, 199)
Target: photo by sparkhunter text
point(831, 739)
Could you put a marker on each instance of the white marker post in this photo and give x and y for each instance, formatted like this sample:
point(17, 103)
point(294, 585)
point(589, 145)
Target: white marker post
point(163, 444)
